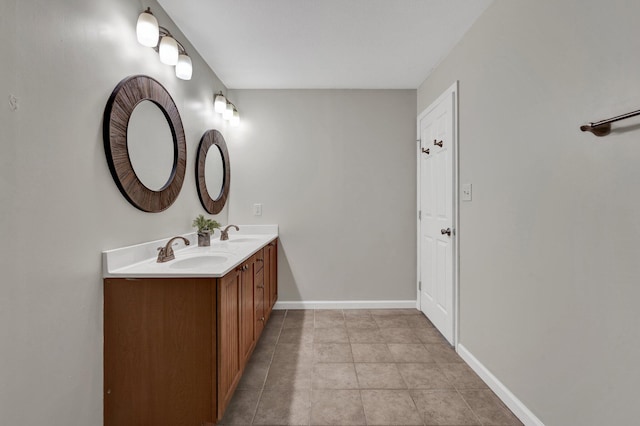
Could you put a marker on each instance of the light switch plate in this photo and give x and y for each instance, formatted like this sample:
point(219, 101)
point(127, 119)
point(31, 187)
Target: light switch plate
point(257, 209)
point(466, 192)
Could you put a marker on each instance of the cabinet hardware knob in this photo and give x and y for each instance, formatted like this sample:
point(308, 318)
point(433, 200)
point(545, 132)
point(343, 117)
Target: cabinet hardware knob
point(435, 142)
point(426, 151)
point(262, 319)
point(260, 286)
point(446, 232)
point(260, 260)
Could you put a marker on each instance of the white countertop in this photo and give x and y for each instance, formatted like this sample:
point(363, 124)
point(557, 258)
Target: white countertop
point(139, 261)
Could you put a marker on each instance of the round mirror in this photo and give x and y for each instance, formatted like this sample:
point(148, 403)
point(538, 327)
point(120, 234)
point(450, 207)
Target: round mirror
point(213, 171)
point(144, 143)
point(150, 145)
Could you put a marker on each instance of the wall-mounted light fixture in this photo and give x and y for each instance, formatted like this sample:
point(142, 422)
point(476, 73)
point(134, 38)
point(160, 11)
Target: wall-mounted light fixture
point(171, 51)
point(228, 110)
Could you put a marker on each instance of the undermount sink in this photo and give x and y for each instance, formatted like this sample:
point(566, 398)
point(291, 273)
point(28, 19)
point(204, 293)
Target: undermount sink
point(198, 261)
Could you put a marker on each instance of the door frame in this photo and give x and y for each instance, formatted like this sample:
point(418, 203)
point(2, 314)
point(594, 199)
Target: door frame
point(452, 94)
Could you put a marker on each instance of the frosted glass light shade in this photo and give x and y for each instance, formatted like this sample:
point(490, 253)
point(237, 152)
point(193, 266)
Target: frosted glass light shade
point(235, 119)
point(184, 69)
point(168, 51)
point(147, 30)
point(220, 104)
point(228, 113)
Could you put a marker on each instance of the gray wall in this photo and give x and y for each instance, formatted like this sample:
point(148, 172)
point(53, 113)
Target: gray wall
point(59, 205)
point(549, 245)
point(336, 170)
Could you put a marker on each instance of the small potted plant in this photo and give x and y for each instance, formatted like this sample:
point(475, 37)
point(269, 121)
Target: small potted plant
point(205, 228)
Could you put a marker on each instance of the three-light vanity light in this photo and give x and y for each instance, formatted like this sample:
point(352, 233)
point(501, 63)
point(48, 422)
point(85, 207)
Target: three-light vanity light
point(171, 51)
point(227, 109)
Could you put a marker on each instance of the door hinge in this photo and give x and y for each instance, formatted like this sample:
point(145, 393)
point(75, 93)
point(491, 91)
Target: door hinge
point(420, 285)
point(418, 140)
point(419, 214)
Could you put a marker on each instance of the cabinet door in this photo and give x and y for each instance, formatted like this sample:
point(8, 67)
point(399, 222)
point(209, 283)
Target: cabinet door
point(159, 343)
point(273, 272)
point(247, 336)
point(259, 302)
point(229, 361)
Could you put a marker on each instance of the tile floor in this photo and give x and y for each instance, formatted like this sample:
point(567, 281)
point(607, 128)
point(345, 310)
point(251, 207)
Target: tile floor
point(360, 367)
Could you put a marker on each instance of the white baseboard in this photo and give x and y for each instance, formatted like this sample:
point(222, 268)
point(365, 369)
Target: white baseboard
point(346, 304)
point(510, 400)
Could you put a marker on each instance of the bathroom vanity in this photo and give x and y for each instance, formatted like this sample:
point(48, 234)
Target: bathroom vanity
point(177, 335)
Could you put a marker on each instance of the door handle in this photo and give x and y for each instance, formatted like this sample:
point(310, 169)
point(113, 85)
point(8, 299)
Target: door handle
point(446, 232)
point(435, 142)
point(425, 151)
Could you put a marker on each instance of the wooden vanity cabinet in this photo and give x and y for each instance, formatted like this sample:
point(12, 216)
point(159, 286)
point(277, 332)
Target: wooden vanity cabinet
point(247, 336)
point(175, 348)
point(160, 339)
point(258, 295)
point(229, 349)
point(270, 277)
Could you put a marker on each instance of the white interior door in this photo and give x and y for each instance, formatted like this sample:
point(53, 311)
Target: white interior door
point(437, 212)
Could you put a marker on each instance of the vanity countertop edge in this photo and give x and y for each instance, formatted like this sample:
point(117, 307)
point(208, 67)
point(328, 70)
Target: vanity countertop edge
point(139, 261)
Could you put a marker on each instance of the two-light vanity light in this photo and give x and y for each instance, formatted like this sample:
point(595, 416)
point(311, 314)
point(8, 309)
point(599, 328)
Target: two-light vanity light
point(227, 109)
point(171, 51)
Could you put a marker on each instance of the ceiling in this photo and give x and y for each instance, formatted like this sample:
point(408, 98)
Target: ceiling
point(325, 44)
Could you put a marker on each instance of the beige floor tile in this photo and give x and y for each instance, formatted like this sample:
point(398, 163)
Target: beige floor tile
point(300, 313)
point(263, 352)
point(334, 376)
point(462, 376)
point(489, 409)
point(364, 335)
point(332, 352)
point(337, 407)
point(329, 314)
point(424, 376)
point(254, 375)
point(275, 320)
point(293, 353)
point(296, 335)
point(356, 313)
point(399, 335)
point(443, 353)
point(443, 407)
point(379, 376)
point(409, 352)
point(361, 322)
point(419, 321)
point(392, 321)
point(329, 322)
point(278, 407)
point(306, 322)
point(429, 335)
point(392, 312)
point(371, 352)
point(241, 408)
point(389, 407)
point(289, 376)
point(331, 335)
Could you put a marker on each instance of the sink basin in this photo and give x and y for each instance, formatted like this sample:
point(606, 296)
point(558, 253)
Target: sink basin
point(198, 261)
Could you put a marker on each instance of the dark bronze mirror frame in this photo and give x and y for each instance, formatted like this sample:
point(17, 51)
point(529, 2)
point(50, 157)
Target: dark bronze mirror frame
point(209, 139)
point(125, 97)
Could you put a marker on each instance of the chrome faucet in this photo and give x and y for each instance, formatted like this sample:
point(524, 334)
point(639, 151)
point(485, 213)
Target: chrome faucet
point(224, 236)
point(165, 253)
